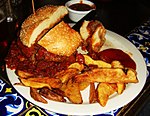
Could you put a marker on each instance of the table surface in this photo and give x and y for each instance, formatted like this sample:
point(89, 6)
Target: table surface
point(126, 18)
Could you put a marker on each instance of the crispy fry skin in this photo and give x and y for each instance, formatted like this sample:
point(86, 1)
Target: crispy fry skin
point(104, 90)
point(53, 82)
point(93, 96)
point(65, 75)
point(20, 84)
point(23, 74)
point(49, 94)
point(120, 86)
point(110, 75)
point(78, 66)
point(36, 96)
point(99, 63)
point(72, 92)
point(83, 85)
point(63, 87)
point(40, 82)
point(34, 84)
point(59, 92)
point(116, 64)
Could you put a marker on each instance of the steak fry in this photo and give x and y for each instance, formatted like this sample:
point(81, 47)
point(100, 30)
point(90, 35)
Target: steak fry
point(72, 92)
point(39, 82)
point(83, 85)
point(36, 96)
point(93, 96)
point(109, 75)
point(104, 90)
point(34, 84)
point(120, 86)
point(49, 94)
point(99, 63)
point(23, 74)
point(65, 75)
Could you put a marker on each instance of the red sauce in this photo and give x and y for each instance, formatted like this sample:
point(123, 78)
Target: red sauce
point(80, 7)
point(110, 55)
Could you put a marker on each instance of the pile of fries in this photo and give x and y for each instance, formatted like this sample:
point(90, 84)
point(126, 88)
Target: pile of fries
point(104, 80)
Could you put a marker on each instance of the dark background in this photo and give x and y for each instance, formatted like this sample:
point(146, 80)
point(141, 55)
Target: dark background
point(120, 16)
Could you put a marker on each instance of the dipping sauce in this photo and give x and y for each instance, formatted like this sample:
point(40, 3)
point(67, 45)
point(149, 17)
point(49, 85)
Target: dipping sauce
point(81, 7)
point(110, 55)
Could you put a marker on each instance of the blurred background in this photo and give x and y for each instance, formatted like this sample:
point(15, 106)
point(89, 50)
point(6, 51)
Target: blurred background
point(131, 12)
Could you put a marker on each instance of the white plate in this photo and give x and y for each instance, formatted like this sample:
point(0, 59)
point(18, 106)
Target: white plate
point(115, 101)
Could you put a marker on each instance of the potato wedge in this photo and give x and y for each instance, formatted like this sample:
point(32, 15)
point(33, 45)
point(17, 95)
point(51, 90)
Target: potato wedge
point(63, 87)
point(120, 87)
point(110, 75)
point(36, 96)
point(116, 64)
point(73, 93)
point(104, 90)
point(40, 82)
point(65, 75)
point(77, 65)
point(34, 84)
point(92, 96)
point(23, 74)
point(99, 63)
point(83, 85)
point(59, 92)
point(49, 94)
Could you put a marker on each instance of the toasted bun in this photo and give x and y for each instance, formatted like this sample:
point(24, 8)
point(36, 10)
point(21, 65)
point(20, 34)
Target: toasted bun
point(37, 24)
point(85, 33)
point(61, 40)
point(95, 31)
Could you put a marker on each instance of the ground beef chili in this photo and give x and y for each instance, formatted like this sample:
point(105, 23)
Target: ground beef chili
point(36, 60)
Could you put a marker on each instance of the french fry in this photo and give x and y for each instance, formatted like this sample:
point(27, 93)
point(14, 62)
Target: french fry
point(59, 92)
point(72, 92)
point(34, 84)
point(49, 94)
point(40, 82)
point(36, 96)
point(92, 96)
point(63, 87)
point(77, 65)
point(120, 86)
point(65, 75)
point(99, 63)
point(23, 74)
point(104, 90)
point(83, 85)
point(109, 75)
